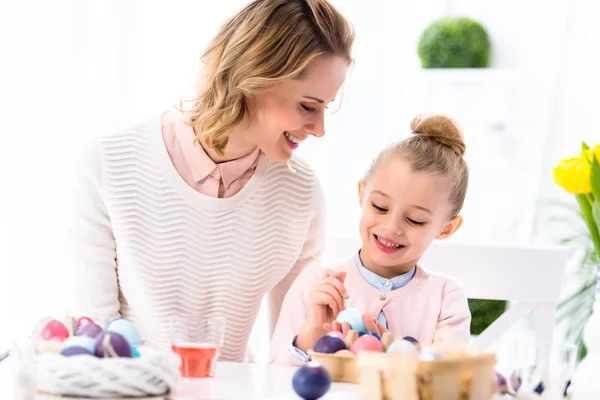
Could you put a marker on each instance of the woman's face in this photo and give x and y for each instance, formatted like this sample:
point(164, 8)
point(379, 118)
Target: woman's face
point(282, 117)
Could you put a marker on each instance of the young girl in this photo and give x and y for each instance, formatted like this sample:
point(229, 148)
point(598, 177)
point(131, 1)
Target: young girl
point(412, 194)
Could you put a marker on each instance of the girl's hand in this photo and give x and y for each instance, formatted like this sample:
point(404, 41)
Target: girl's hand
point(325, 301)
point(371, 324)
point(326, 298)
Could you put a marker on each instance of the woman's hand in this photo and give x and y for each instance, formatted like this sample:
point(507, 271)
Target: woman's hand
point(325, 301)
point(371, 324)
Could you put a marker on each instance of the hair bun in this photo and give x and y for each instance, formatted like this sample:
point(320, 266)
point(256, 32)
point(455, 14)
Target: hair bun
point(441, 129)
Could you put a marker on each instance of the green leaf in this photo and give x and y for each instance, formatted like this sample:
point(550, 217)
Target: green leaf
point(586, 209)
point(584, 146)
point(595, 177)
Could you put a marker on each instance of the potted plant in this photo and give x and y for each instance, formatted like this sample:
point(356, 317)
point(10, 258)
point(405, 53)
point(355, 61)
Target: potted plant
point(454, 43)
point(580, 176)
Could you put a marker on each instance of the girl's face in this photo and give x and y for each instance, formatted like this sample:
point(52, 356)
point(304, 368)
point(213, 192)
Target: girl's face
point(402, 213)
point(282, 117)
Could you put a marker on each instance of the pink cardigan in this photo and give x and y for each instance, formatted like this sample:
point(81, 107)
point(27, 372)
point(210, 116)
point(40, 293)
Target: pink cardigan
point(431, 308)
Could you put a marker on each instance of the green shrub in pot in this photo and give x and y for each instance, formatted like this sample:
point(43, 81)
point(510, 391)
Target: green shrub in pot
point(454, 43)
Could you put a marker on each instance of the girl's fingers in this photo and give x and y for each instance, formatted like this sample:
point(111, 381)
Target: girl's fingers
point(345, 328)
point(370, 323)
point(328, 327)
point(326, 295)
point(338, 285)
point(334, 292)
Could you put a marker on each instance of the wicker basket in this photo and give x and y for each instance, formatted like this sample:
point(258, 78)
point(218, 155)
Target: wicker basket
point(88, 376)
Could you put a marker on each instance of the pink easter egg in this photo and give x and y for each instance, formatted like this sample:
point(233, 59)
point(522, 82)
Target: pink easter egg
point(84, 320)
point(54, 330)
point(337, 334)
point(366, 343)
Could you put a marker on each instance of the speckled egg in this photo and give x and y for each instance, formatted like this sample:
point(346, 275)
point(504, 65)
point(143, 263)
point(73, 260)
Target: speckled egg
point(85, 342)
point(54, 330)
point(402, 347)
point(366, 343)
point(111, 344)
point(352, 316)
point(90, 330)
point(127, 330)
point(75, 351)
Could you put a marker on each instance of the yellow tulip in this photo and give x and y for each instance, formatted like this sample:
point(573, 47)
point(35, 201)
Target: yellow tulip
point(573, 174)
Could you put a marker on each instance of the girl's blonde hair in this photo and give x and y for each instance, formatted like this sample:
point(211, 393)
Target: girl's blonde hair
point(267, 42)
point(436, 146)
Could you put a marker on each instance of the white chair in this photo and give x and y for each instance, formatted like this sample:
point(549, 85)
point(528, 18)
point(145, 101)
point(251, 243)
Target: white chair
point(528, 277)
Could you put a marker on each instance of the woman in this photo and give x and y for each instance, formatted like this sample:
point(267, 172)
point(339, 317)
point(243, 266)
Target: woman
point(196, 213)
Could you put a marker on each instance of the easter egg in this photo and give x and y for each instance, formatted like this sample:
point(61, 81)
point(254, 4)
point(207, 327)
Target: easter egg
point(127, 330)
point(366, 343)
point(54, 329)
point(111, 344)
point(75, 351)
point(329, 344)
point(311, 381)
point(39, 325)
point(500, 382)
point(402, 347)
point(90, 330)
point(414, 341)
point(83, 320)
point(85, 342)
point(352, 316)
point(370, 333)
point(337, 334)
point(135, 353)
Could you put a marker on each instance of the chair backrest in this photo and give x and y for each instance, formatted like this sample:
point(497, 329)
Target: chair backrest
point(529, 277)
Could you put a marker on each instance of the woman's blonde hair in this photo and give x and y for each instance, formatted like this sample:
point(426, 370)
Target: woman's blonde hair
point(267, 42)
point(436, 146)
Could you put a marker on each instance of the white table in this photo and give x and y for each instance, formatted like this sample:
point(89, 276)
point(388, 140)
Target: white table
point(232, 381)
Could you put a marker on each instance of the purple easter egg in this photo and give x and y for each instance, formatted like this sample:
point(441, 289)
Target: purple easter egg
point(111, 344)
point(90, 330)
point(75, 351)
point(329, 344)
point(311, 381)
point(501, 385)
point(414, 341)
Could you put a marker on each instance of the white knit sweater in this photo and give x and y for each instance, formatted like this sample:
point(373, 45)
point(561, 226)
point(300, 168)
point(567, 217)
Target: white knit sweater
point(146, 245)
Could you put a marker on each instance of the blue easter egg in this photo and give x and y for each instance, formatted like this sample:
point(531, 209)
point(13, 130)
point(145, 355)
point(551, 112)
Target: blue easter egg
point(414, 341)
point(370, 333)
point(311, 381)
point(127, 330)
point(135, 353)
point(352, 316)
point(403, 347)
point(85, 342)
